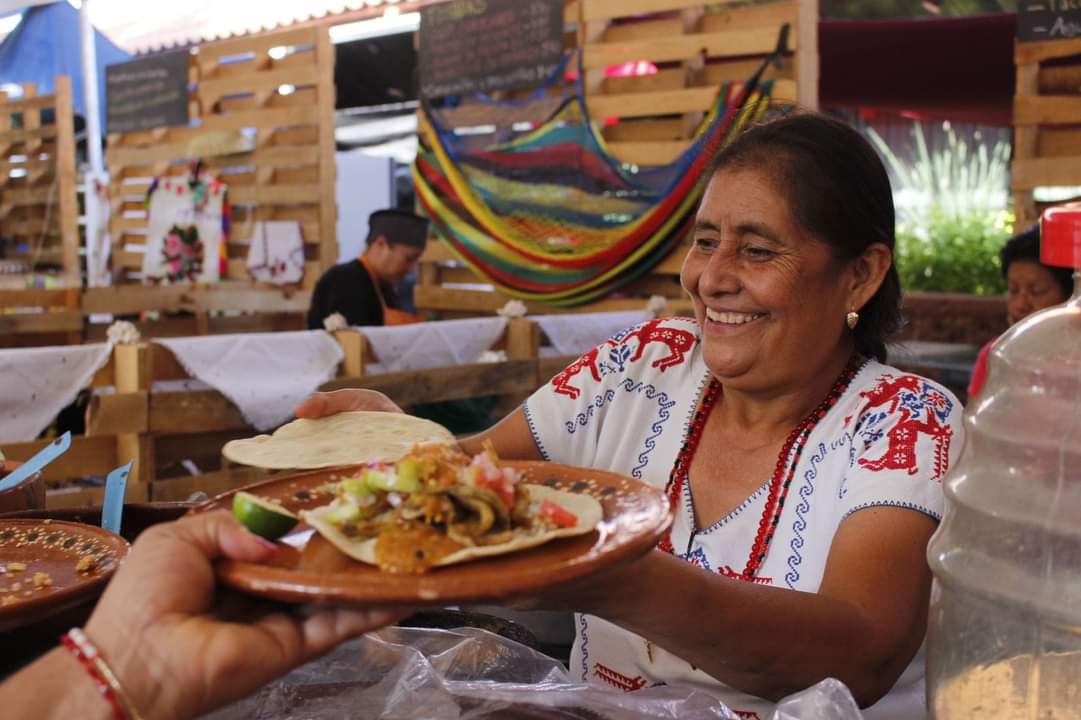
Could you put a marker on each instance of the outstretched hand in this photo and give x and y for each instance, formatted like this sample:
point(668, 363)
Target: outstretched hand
point(180, 647)
point(322, 404)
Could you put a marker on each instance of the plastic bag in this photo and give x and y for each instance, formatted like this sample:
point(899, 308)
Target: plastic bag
point(472, 674)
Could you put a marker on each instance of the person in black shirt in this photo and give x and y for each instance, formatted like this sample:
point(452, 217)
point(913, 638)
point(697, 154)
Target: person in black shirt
point(362, 290)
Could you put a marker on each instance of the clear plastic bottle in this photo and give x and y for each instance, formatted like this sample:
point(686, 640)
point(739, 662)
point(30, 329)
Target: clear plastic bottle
point(1004, 634)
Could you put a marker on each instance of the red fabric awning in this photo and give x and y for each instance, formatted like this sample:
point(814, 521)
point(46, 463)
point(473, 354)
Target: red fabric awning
point(951, 68)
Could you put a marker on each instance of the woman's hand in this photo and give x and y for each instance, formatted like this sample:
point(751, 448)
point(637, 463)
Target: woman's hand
point(180, 647)
point(322, 404)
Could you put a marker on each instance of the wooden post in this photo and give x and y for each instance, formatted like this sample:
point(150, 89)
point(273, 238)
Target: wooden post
point(1025, 141)
point(67, 202)
point(134, 374)
point(807, 55)
point(522, 342)
point(523, 339)
point(325, 95)
point(355, 346)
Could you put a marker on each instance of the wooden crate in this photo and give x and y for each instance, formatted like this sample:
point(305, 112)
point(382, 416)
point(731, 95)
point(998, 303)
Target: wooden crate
point(649, 119)
point(279, 88)
point(40, 317)
point(1047, 122)
point(158, 430)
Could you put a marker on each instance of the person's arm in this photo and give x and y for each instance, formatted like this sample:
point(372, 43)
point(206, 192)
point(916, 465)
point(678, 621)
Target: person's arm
point(54, 687)
point(178, 645)
point(863, 626)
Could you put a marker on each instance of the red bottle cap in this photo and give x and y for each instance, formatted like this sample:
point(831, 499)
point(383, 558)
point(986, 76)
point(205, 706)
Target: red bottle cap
point(1060, 236)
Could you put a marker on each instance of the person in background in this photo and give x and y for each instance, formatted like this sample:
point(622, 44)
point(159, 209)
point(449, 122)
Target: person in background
point(362, 290)
point(177, 646)
point(1030, 286)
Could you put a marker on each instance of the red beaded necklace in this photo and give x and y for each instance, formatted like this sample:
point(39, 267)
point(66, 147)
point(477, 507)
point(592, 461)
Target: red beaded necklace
point(783, 472)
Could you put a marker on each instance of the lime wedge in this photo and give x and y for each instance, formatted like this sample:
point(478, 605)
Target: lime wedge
point(263, 517)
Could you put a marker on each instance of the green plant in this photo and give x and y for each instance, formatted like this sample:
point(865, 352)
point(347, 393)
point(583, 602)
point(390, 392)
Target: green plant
point(951, 217)
point(954, 254)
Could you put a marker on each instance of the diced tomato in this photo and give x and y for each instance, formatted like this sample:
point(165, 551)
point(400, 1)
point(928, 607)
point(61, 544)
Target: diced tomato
point(560, 517)
point(499, 486)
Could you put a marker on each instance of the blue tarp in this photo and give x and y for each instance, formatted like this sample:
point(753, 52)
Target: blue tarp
point(45, 44)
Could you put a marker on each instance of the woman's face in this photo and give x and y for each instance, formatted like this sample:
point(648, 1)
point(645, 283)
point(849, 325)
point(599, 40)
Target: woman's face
point(1030, 287)
point(770, 297)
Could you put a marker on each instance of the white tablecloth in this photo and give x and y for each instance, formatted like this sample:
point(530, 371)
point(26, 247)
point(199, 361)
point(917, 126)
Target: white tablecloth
point(37, 383)
point(575, 333)
point(431, 344)
point(264, 374)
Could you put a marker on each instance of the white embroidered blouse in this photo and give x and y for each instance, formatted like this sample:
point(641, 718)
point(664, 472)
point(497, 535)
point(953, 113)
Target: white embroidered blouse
point(627, 405)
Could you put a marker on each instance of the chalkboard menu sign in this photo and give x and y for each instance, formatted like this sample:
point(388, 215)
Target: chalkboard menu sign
point(1048, 19)
point(470, 46)
point(147, 93)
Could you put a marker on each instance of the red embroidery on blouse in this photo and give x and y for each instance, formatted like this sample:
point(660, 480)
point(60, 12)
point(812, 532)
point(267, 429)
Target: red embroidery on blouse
point(562, 381)
point(904, 436)
point(679, 342)
point(901, 452)
point(618, 679)
point(747, 714)
point(889, 391)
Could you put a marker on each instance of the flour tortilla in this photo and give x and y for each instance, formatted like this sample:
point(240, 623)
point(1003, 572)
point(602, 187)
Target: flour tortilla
point(348, 438)
point(585, 507)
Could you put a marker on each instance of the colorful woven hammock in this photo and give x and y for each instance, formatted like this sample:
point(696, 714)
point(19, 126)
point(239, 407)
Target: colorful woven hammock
point(552, 215)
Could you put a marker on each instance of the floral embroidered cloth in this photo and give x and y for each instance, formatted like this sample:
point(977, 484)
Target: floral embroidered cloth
point(187, 226)
point(626, 406)
point(37, 383)
point(264, 374)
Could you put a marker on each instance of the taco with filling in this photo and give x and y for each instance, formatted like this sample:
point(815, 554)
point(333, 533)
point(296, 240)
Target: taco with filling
point(438, 506)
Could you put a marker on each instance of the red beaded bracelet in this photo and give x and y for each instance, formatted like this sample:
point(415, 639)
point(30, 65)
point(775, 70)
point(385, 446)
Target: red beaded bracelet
point(88, 656)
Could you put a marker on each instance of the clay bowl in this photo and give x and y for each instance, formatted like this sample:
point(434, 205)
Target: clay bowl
point(27, 495)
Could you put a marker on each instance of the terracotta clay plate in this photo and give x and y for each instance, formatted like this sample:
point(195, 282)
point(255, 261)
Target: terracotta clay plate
point(51, 551)
point(310, 568)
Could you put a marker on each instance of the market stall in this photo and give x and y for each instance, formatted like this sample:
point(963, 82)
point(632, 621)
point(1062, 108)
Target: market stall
point(255, 164)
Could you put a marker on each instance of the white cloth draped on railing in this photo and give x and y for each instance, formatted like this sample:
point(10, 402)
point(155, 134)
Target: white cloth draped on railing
point(575, 333)
point(431, 344)
point(264, 374)
point(37, 383)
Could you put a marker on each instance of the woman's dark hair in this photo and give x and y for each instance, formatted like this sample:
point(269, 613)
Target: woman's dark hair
point(837, 189)
point(1026, 246)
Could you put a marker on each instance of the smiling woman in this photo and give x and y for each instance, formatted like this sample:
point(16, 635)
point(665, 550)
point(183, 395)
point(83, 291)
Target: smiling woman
point(805, 473)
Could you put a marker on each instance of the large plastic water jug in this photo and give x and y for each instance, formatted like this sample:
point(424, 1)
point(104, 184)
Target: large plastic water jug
point(1004, 634)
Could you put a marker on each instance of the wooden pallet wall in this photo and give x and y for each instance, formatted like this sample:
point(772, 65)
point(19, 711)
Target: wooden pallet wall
point(1047, 122)
point(648, 119)
point(38, 207)
point(278, 88)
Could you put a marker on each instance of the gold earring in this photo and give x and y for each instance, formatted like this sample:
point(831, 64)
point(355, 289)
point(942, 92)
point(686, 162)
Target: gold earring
point(852, 319)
